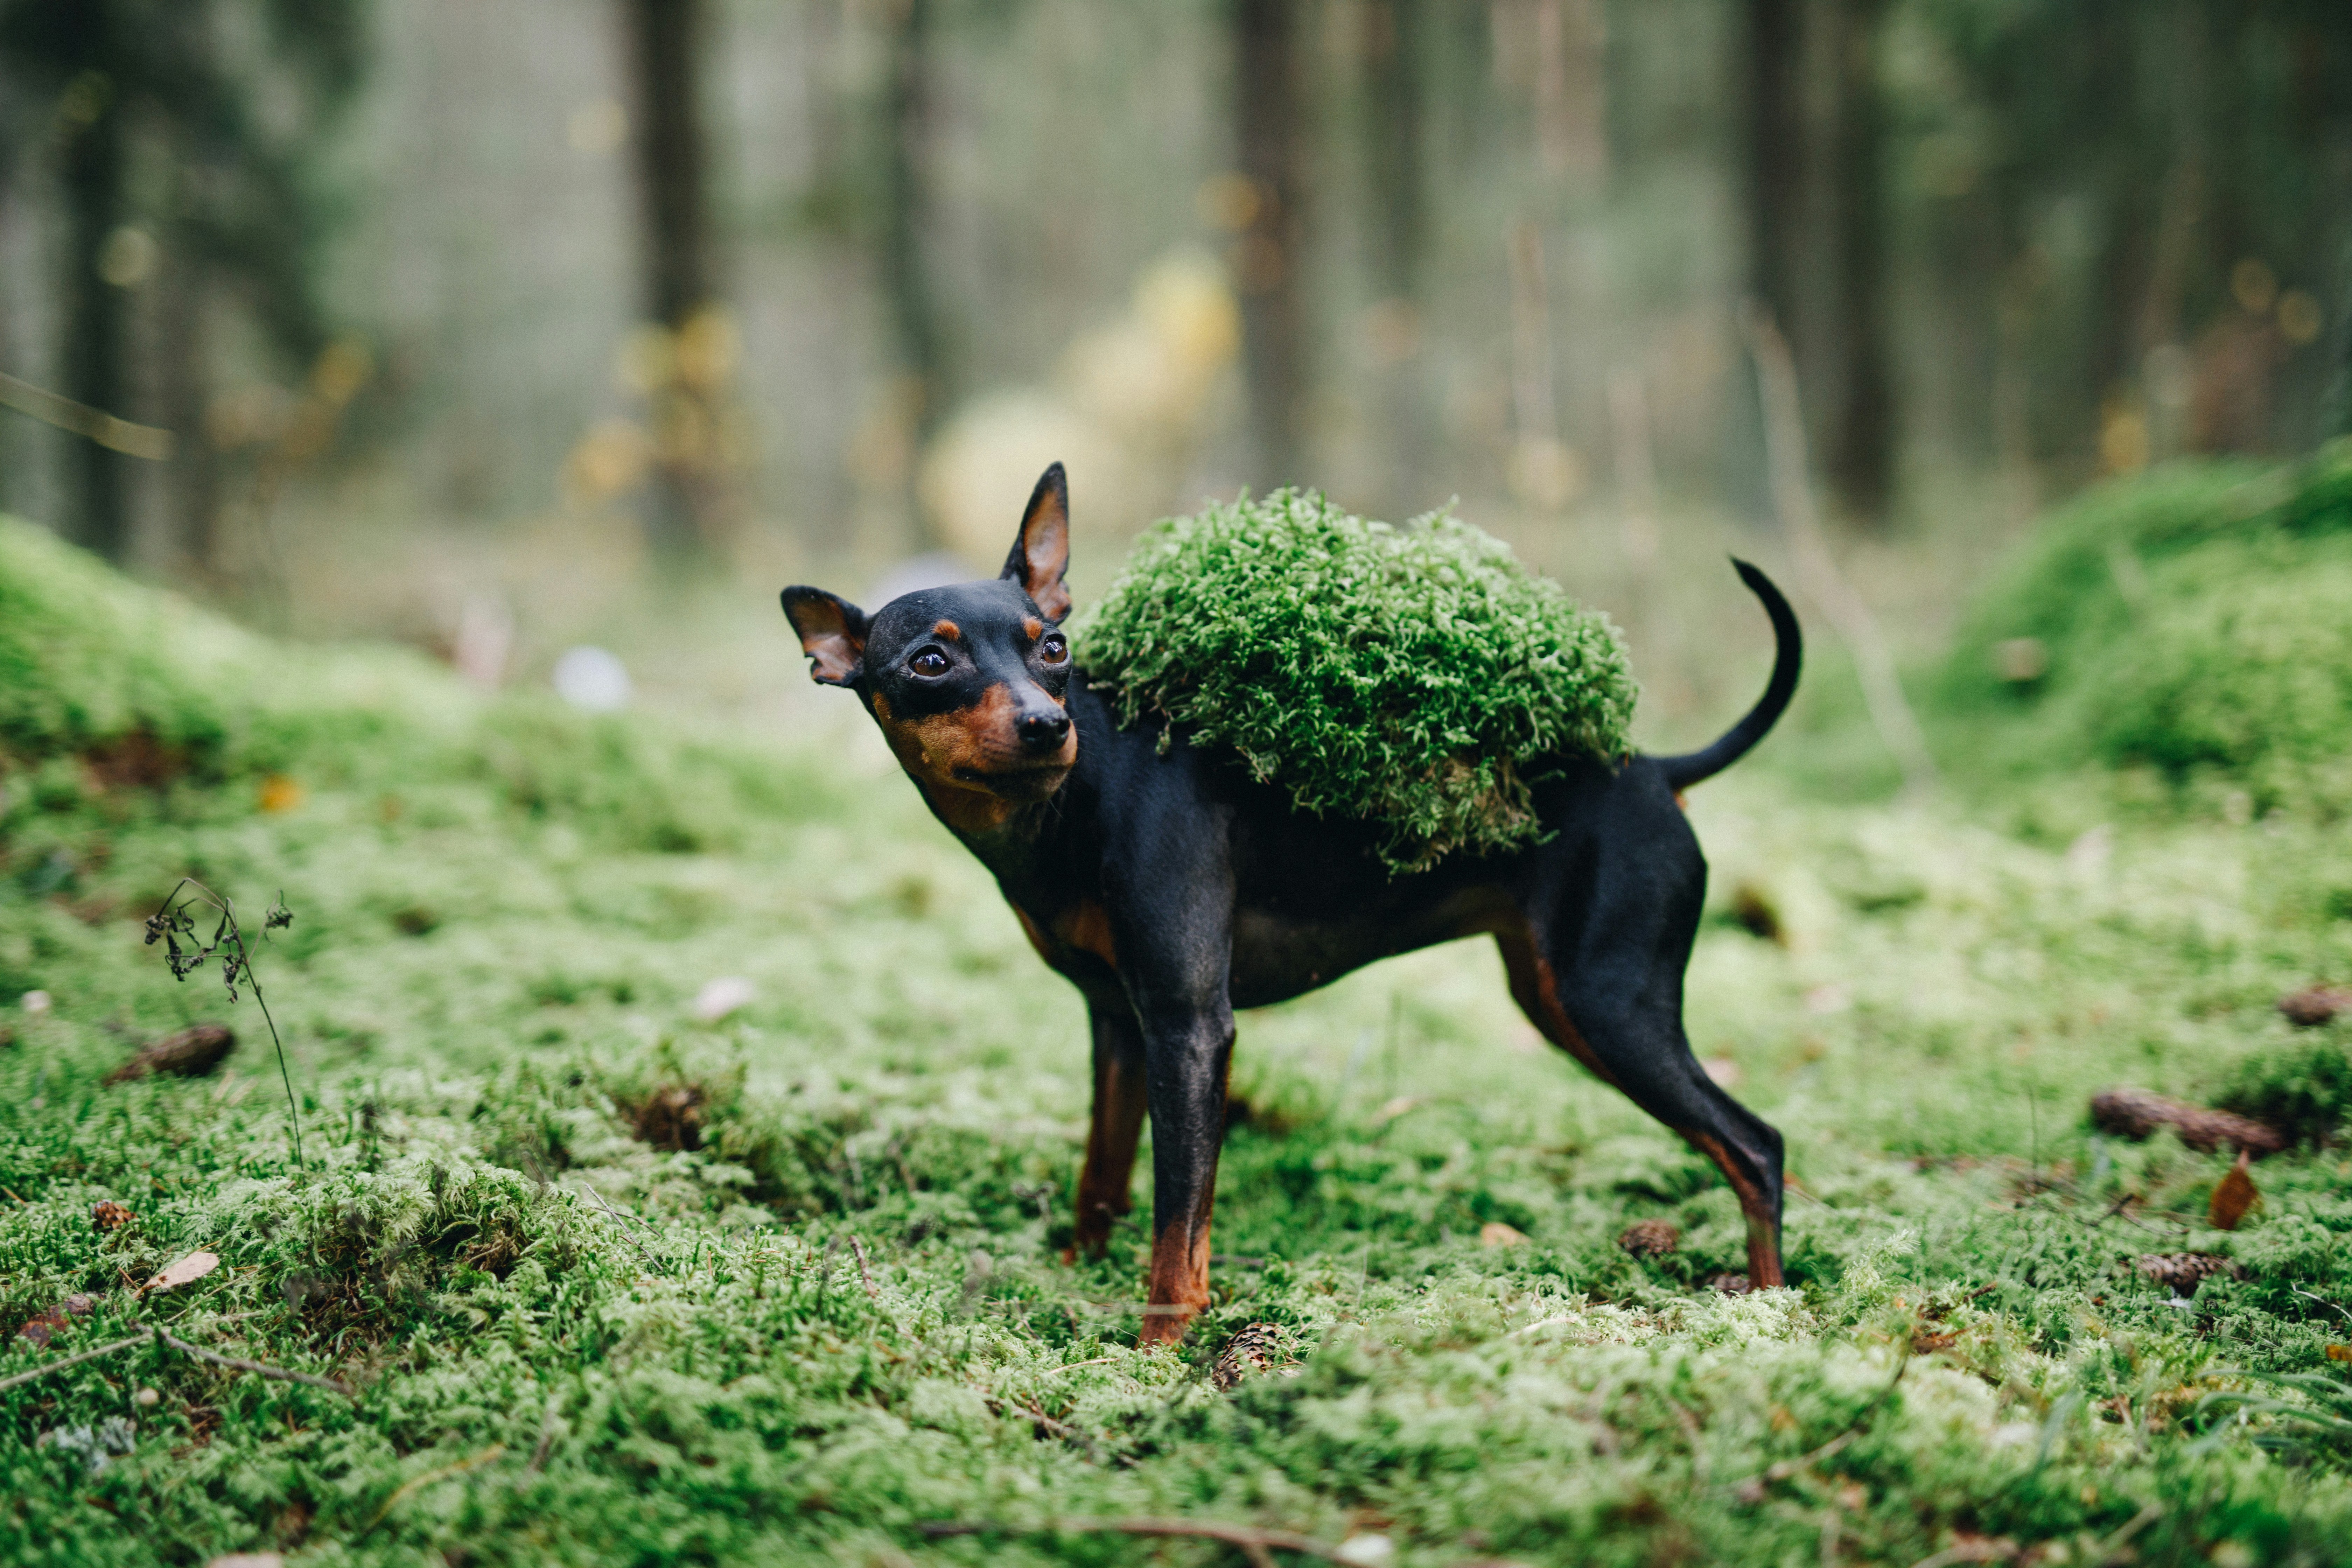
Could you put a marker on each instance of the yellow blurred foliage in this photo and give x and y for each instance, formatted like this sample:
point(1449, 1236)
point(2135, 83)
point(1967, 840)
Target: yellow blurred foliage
point(1124, 406)
point(610, 459)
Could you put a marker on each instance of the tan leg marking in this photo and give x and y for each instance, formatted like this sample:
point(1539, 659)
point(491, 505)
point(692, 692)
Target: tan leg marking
point(1180, 1274)
point(1106, 1180)
point(1763, 1236)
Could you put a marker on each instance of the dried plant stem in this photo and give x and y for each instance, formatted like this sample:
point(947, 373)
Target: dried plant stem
point(172, 921)
point(1793, 503)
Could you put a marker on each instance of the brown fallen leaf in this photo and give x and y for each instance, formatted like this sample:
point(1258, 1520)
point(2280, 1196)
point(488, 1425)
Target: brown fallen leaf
point(40, 1331)
point(2233, 1196)
point(2136, 1113)
point(2339, 1352)
point(190, 1053)
point(1494, 1233)
point(1650, 1238)
point(186, 1271)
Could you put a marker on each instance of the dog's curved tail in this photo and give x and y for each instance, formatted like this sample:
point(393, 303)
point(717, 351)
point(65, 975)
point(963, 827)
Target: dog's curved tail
point(1689, 768)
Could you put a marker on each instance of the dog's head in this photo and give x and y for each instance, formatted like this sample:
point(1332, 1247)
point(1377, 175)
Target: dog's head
point(969, 683)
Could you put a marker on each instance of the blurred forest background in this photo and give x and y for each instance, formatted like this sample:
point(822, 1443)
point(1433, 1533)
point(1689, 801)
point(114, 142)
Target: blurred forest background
point(466, 318)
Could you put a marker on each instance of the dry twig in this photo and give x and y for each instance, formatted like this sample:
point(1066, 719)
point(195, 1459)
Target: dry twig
point(160, 1336)
point(1792, 501)
point(64, 1362)
point(235, 1363)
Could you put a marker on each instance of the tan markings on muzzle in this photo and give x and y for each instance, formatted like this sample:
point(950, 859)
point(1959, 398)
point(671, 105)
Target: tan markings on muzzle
point(979, 739)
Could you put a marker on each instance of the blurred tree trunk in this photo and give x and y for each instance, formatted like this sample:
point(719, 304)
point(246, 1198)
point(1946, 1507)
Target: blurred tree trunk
point(181, 386)
point(665, 60)
point(1265, 36)
point(1860, 437)
point(1776, 156)
point(1817, 228)
point(2336, 417)
point(1396, 64)
point(907, 200)
point(96, 338)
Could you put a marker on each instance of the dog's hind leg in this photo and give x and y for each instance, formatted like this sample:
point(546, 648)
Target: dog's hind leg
point(1601, 974)
point(1106, 1182)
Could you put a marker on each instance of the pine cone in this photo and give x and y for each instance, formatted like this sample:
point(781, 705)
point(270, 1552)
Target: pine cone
point(190, 1053)
point(1650, 1238)
point(1254, 1349)
point(109, 1215)
point(2182, 1272)
point(2313, 1005)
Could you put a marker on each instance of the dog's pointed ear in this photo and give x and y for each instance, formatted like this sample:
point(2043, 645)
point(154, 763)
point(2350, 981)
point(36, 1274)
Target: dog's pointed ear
point(832, 634)
point(1043, 551)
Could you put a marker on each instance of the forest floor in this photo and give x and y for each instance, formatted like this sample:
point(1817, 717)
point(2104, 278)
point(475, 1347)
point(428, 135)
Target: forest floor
point(687, 1137)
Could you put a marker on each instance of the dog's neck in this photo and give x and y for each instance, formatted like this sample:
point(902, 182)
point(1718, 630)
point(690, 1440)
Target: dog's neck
point(987, 824)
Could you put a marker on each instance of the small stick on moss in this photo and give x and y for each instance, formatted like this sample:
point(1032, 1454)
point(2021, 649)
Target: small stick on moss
point(237, 1363)
point(548, 1429)
point(64, 1362)
point(417, 1483)
point(1046, 1423)
point(626, 1235)
point(1256, 1543)
point(141, 1338)
point(864, 1272)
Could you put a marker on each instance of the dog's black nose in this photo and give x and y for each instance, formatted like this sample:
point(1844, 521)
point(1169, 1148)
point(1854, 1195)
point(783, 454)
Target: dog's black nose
point(1043, 731)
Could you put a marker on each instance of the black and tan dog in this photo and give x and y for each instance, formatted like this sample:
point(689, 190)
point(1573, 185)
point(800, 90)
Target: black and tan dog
point(1170, 888)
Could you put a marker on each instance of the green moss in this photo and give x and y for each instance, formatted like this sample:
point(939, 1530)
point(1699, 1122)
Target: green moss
point(843, 1314)
point(1415, 677)
point(147, 689)
point(2303, 1089)
point(2191, 623)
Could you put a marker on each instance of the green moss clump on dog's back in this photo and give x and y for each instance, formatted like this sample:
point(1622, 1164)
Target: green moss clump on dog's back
point(1415, 677)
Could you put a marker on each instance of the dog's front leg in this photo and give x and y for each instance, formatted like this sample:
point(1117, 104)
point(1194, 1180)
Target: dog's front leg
point(1188, 1050)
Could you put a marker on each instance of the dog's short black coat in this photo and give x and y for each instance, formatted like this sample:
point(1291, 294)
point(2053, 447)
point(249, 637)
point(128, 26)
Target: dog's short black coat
point(1170, 888)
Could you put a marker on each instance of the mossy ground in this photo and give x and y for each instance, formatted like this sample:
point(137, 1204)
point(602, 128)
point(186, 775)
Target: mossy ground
point(572, 1345)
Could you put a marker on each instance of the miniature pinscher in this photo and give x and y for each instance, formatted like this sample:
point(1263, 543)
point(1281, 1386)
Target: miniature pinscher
point(1170, 887)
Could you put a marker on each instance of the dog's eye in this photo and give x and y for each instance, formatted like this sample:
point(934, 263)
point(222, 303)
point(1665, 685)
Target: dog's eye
point(929, 661)
point(1053, 650)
